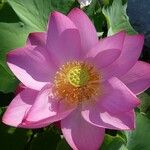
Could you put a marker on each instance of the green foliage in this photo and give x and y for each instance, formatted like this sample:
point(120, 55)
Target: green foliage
point(139, 138)
point(63, 145)
point(7, 81)
point(113, 143)
point(44, 140)
point(12, 139)
point(96, 15)
point(145, 103)
point(117, 19)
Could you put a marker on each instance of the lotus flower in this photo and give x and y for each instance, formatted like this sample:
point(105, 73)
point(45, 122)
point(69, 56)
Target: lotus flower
point(73, 77)
point(84, 3)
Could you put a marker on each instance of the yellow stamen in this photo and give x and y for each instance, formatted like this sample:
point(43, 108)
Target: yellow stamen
point(77, 82)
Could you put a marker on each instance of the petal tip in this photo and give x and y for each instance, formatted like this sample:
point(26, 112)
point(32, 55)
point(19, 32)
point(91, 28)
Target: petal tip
point(6, 121)
point(76, 11)
point(8, 55)
point(140, 37)
point(55, 14)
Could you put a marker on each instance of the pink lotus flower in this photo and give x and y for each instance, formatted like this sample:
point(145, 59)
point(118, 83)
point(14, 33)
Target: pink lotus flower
point(72, 77)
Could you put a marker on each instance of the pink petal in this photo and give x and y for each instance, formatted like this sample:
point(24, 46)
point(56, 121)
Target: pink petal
point(47, 108)
point(138, 78)
point(104, 119)
point(124, 121)
point(117, 97)
point(116, 104)
point(37, 38)
point(80, 134)
point(86, 28)
point(19, 107)
point(33, 125)
point(104, 58)
point(63, 39)
point(131, 50)
point(22, 102)
point(32, 66)
point(111, 42)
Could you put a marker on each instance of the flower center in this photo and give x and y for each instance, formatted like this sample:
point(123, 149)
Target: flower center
point(78, 76)
point(77, 82)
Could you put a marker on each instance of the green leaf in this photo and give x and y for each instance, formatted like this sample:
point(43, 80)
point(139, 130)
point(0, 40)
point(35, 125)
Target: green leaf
point(145, 103)
point(139, 138)
point(12, 138)
point(117, 19)
point(63, 145)
point(1, 3)
point(34, 13)
point(13, 33)
point(63, 6)
point(1, 111)
point(5, 99)
point(113, 143)
point(105, 2)
point(7, 82)
point(96, 15)
point(48, 139)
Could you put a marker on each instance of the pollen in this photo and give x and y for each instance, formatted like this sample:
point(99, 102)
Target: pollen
point(77, 82)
